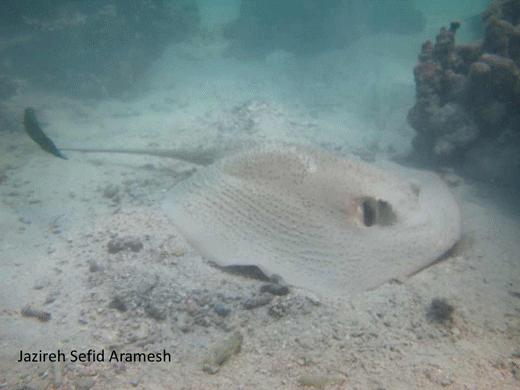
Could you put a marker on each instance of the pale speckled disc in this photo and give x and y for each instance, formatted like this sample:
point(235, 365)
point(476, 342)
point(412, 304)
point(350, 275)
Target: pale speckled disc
point(295, 211)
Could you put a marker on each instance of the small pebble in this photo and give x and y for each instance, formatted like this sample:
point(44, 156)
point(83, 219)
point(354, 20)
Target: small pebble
point(36, 384)
point(110, 191)
point(154, 313)
point(451, 179)
point(119, 244)
point(51, 297)
point(447, 381)
point(84, 383)
point(118, 303)
point(56, 374)
point(119, 368)
point(94, 266)
point(315, 381)
point(221, 354)
point(222, 309)
point(275, 289)
point(257, 301)
point(314, 299)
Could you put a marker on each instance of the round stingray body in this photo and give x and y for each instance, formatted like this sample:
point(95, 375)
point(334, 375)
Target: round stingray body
point(329, 224)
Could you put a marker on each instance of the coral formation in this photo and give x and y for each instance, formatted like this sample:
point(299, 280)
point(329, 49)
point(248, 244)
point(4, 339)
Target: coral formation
point(467, 95)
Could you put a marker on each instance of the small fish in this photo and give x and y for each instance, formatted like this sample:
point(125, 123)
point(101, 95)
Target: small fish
point(35, 132)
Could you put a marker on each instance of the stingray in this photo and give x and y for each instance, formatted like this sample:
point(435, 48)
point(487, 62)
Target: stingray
point(330, 224)
point(326, 223)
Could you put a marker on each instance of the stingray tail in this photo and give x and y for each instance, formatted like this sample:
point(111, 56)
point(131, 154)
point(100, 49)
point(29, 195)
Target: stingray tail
point(37, 135)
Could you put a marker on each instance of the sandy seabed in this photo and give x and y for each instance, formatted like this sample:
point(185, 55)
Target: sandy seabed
point(86, 240)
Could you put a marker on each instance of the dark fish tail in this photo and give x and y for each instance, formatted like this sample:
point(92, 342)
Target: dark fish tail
point(37, 135)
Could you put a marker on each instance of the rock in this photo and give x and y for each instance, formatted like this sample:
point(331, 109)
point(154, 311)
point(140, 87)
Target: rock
point(222, 353)
point(94, 266)
point(320, 381)
point(275, 289)
point(110, 191)
point(256, 301)
point(449, 177)
point(452, 180)
point(499, 363)
point(37, 384)
point(84, 383)
point(280, 309)
point(118, 303)
point(313, 298)
point(119, 244)
point(154, 312)
point(221, 309)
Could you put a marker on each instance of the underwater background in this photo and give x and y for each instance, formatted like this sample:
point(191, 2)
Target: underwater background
point(89, 260)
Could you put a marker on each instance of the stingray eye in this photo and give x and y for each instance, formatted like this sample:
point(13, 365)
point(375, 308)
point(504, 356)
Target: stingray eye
point(369, 213)
point(376, 211)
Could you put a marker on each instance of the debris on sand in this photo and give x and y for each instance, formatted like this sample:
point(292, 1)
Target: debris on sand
point(119, 244)
point(118, 303)
point(257, 301)
point(441, 311)
point(319, 381)
point(223, 353)
point(41, 315)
